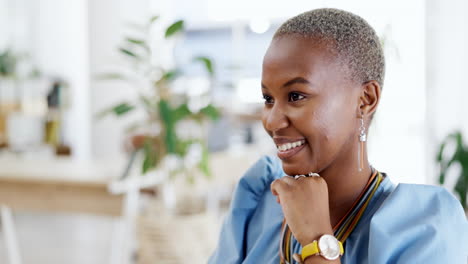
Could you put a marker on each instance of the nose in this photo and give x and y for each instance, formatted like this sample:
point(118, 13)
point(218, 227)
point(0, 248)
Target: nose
point(274, 118)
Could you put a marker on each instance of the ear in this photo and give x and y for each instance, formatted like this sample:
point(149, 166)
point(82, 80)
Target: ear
point(369, 98)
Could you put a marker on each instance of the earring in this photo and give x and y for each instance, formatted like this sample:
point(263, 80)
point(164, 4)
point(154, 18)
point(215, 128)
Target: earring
point(362, 139)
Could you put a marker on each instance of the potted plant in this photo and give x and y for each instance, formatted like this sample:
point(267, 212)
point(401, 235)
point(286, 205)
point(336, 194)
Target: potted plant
point(8, 63)
point(157, 137)
point(8, 103)
point(458, 156)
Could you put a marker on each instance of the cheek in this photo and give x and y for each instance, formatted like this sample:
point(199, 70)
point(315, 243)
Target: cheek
point(313, 122)
point(335, 125)
point(322, 126)
point(264, 120)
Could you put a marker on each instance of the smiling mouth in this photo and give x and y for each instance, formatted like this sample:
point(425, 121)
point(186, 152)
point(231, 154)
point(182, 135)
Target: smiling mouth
point(288, 150)
point(289, 146)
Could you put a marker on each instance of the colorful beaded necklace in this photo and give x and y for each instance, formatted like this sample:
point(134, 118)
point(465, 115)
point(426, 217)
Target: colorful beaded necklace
point(342, 229)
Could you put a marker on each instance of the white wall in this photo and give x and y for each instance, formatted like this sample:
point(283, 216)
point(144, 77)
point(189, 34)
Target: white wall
point(447, 57)
point(397, 143)
point(396, 139)
point(108, 25)
point(78, 39)
point(59, 45)
point(108, 21)
point(105, 30)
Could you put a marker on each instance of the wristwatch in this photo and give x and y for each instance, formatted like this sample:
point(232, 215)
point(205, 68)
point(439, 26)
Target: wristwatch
point(327, 246)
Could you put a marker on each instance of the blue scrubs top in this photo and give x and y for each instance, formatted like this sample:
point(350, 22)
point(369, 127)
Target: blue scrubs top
point(408, 223)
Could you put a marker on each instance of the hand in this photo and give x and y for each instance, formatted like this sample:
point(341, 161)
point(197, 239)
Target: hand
point(305, 206)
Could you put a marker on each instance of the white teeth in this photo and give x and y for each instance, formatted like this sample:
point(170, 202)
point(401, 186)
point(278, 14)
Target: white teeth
point(288, 146)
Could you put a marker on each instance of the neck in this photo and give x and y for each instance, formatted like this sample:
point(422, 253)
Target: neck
point(345, 182)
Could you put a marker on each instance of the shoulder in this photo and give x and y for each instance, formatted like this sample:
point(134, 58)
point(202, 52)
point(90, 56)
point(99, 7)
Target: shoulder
point(432, 202)
point(233, 241)
point(261, 174)
point(416, 222)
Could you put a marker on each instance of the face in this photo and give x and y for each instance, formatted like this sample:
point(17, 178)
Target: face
point(311, 107)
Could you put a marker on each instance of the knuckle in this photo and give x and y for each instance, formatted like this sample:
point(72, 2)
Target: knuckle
point(277, 184)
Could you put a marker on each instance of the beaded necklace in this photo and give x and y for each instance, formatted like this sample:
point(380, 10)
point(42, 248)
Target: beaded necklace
point(342, 229)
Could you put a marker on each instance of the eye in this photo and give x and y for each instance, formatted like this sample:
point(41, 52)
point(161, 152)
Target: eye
point(293, 96)
point(268, 99)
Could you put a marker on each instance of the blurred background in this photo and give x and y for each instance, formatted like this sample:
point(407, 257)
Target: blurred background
point(125, 125)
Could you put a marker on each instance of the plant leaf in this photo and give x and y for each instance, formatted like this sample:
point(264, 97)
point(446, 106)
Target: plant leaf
point(118, 110)
point(166, 115)
point(441, 162)
point(174, 28)
point(128, 53)
point(204, 162)
point(8, 62)
point(151, 157)
point(122, 108)
point(207, 63)
point(441, 151)
point(141, 43)
point(169, 76)
point(210, 111)
point(135, 41)
point(460, 156)
point(442, 178)
point(445, 164)
point(183, 146)
point(153, 19)
point(461, 188)
point(181, 112)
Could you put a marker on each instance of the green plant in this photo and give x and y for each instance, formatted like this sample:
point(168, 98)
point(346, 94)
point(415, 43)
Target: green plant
point(460, 156)
point(163, 108)
point(8, 62)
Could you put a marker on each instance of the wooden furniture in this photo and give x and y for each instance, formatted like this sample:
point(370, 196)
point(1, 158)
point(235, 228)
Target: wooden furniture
point(65, 185)
point(60, 185)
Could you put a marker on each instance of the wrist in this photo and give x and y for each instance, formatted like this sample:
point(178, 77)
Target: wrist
point(327, 247)
point(314, 235)
point(319, 259)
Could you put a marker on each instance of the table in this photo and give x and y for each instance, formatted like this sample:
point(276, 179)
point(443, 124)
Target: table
point(60, 184)
point(65, 185)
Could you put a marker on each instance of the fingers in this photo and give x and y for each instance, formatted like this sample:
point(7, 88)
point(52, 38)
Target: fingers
point(273, 189)
point(287, 184)
point(281, 186)
point(276, 188)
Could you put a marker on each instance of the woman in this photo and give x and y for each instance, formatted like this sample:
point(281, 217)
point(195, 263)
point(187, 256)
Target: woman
point(321, 201)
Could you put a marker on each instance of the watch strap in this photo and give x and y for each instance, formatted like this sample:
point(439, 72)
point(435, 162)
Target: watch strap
point(310, 250)
point(313, 249)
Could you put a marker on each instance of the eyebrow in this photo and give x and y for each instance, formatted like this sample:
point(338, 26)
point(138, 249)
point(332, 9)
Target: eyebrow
point(291, 82)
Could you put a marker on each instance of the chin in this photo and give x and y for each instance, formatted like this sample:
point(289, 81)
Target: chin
point(293, 169)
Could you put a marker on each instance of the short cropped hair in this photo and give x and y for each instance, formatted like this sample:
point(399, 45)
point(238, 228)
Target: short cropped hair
point(354, 40)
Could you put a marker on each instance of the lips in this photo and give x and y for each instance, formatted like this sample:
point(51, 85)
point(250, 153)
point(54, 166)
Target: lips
point(288, 147)
point(283, 140)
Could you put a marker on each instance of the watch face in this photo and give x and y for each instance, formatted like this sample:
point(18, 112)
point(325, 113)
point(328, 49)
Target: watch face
point(329, 247)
